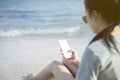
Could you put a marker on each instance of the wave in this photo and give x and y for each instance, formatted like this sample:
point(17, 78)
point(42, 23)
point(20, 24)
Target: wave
point(42, 17)
point(40, 13)
point(38, 31)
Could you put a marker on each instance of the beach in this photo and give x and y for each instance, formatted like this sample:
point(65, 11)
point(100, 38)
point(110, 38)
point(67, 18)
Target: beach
point(30, 29)
point(18, 57)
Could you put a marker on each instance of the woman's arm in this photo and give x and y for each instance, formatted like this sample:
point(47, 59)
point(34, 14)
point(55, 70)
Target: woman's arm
point(73, 63)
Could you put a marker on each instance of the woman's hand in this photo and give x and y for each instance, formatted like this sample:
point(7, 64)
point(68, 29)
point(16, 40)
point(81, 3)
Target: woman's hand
point(74, 60)
point(72, 63)
point(75, 57)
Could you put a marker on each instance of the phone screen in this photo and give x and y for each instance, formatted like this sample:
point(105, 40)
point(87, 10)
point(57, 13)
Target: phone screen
point(65, 48)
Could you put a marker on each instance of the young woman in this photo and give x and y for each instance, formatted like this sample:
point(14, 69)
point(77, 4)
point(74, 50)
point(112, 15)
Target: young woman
point(101, 58)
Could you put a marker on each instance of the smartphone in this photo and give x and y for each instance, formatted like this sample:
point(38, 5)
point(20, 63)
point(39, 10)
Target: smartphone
point(65, 48)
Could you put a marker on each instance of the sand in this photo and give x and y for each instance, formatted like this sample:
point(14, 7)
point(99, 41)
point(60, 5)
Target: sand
point(19, 57)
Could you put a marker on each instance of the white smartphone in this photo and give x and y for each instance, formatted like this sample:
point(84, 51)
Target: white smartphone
point(65, 48)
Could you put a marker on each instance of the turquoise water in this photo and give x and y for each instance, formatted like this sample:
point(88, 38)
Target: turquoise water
point(26, 18)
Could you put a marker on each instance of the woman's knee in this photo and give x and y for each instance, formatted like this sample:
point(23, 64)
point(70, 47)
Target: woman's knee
point(55, 62)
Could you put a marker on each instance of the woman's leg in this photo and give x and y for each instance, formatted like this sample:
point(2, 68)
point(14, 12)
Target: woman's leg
point(45, 74)
point(55, 69)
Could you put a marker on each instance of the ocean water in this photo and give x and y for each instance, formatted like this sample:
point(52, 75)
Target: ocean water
point(41, 18)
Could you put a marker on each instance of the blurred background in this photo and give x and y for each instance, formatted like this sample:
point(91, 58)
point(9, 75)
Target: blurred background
point(30, 29)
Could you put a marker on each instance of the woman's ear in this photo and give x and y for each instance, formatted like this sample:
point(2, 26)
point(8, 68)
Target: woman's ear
point(94, 15)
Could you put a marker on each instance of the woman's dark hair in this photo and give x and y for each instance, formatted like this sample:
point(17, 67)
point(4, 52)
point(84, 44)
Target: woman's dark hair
point(110, 12)
point(109, 9)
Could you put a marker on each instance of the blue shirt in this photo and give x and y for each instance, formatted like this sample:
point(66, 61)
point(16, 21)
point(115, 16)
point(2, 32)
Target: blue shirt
point(99, 63)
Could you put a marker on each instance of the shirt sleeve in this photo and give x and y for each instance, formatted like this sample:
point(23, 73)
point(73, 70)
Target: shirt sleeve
point(89, 66)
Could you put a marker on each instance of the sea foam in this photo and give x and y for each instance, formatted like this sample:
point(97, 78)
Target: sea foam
point(39, 31)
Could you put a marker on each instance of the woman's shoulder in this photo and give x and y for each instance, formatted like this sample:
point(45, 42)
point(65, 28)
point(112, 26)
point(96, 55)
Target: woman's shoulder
point(97, 46)
point(95, 49)
point(117, 37)
point(99, 49)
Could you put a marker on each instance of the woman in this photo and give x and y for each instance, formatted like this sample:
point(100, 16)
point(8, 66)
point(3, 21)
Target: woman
point(101, 58)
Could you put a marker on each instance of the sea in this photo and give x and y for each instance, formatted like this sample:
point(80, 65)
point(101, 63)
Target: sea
point(42, 18)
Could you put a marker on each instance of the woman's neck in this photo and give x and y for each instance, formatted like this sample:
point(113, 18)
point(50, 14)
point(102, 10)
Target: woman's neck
point(101, 24)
